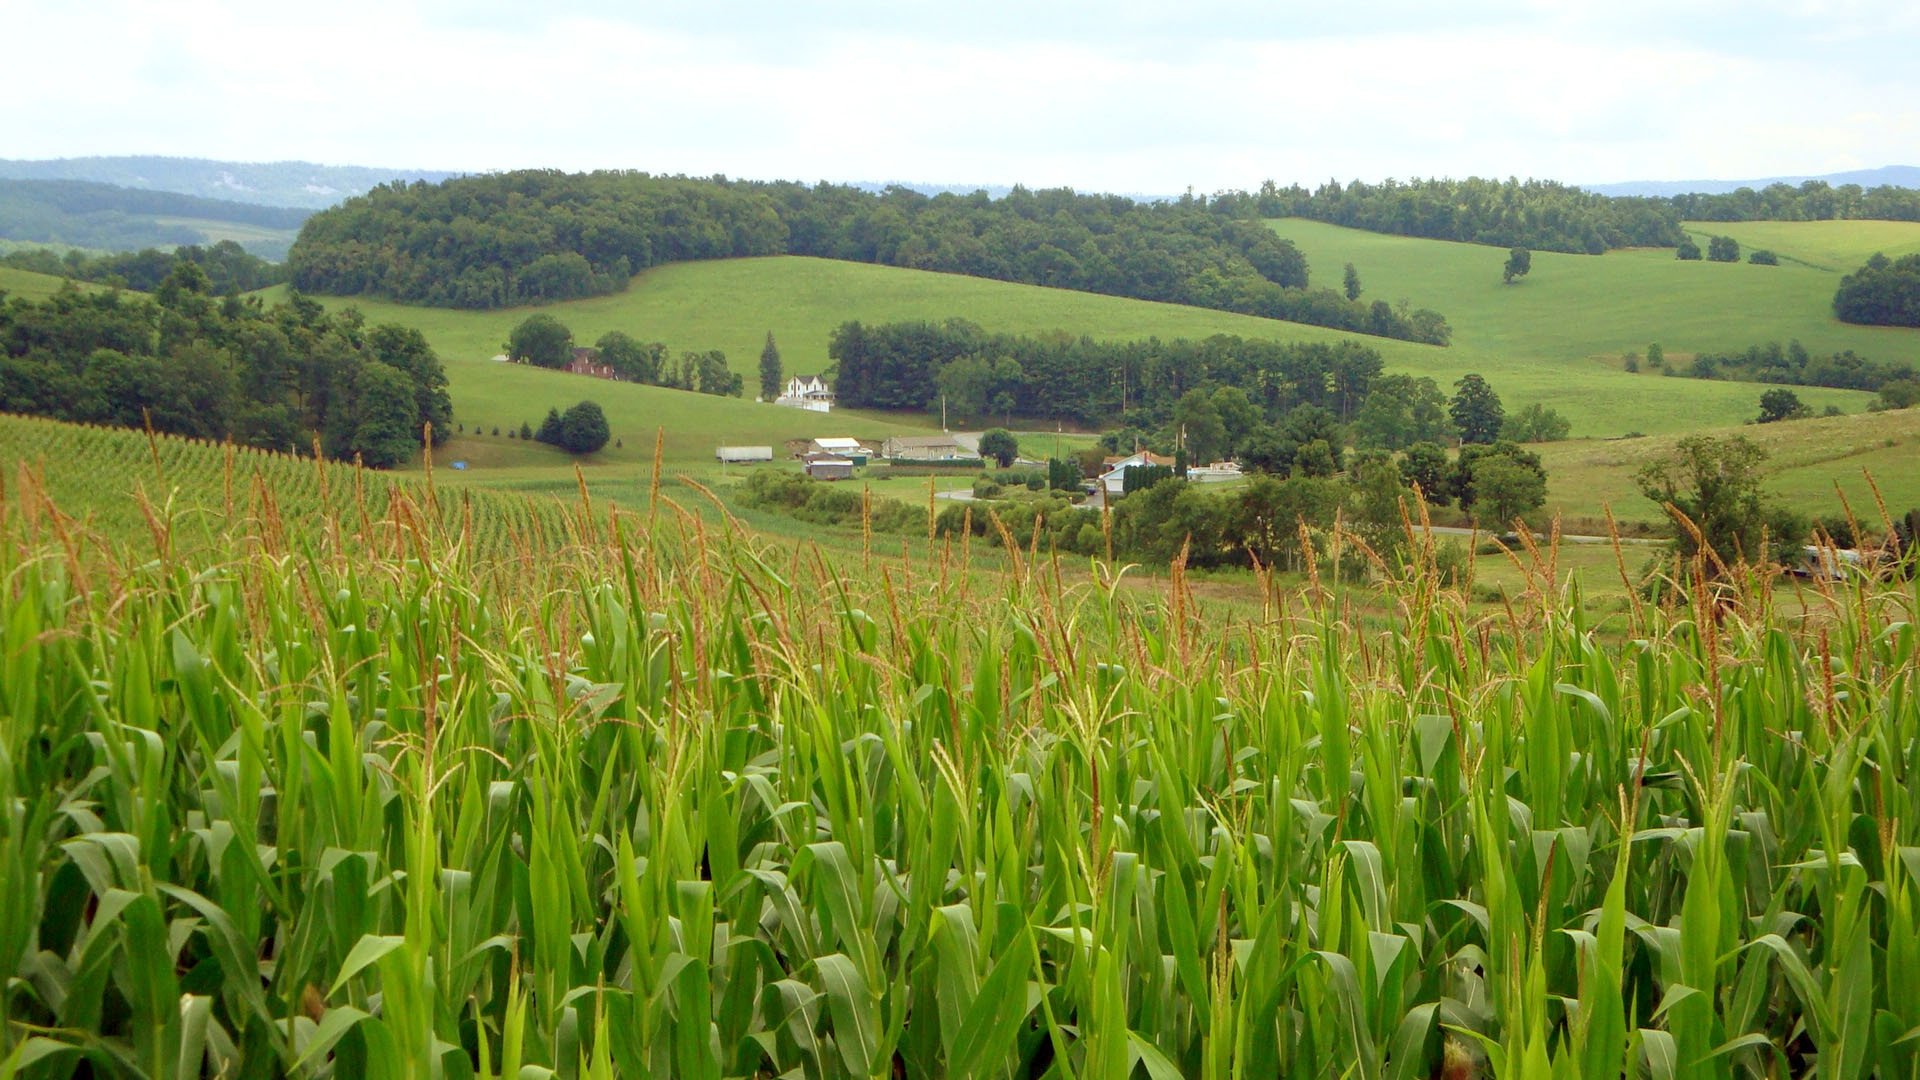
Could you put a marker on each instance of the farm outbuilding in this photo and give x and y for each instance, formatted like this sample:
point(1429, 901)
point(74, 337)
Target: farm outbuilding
point(925, 448)
point(733, 455)
point(835, 445)
point(827, 467)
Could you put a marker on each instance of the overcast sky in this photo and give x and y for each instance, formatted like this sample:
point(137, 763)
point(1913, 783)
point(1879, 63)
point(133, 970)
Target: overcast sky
point(1115, 95)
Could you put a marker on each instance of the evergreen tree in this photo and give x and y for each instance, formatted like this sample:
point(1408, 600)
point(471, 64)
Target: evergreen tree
point(1352, 283)
point(770, 373)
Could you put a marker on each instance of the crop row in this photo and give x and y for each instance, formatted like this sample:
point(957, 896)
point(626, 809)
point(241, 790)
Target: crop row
point(680, 804)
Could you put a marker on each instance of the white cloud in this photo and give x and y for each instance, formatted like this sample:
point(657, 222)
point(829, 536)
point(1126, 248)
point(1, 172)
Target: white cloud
point(1126, 98)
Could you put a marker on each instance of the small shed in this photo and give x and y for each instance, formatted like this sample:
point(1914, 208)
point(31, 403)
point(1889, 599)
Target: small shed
point(841, 446)
point(735, 455)
point(827, 467)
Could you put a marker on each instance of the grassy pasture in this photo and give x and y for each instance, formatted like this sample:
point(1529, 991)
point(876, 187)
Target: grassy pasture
point(28, 285)
point(268, 243)
point(1835, 246)
point(1807, 458)
point(1574, 308)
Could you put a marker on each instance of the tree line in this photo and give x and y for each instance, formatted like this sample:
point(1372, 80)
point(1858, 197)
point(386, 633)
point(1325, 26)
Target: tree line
point(229, 267)
point(909, 365)
point(1814, 200)
point(1151, 389)
point(1539, 215)
point(536, 236)
point(1795, 366)
point(544, 341)
point(188, 363)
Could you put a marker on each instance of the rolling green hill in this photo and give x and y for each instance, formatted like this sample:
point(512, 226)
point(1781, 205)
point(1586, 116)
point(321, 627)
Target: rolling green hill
point(1595, 307)
point(731, 304)
point(106, 217)
point(1807, 459)
point(1836, 246)
point(31, 286)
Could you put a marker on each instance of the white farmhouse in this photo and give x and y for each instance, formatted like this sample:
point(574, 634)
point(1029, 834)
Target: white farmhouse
point(809, 392)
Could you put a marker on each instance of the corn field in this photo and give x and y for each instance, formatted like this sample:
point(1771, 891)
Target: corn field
point(119, 484)
point(673, 802)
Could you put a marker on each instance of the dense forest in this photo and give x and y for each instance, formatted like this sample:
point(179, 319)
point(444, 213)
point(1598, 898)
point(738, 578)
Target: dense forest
point(189, 363)
point(1884, 292)
point(229, 267)
point(1815, 200)
point(537, 236)
point(1539, 215)
point(909, 365)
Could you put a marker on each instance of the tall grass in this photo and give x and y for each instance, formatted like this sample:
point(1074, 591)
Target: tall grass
point(677, 803)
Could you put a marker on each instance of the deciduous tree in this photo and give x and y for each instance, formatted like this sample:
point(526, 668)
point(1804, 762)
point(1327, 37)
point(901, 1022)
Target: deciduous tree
point(1476, 410)
point(1779, 404)
point(541, 340)
point(1000, 445)
point(1519, 262)
point(1716, 483)
point(583, 430)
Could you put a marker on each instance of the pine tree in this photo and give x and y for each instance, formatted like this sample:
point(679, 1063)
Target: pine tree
point(770, 373)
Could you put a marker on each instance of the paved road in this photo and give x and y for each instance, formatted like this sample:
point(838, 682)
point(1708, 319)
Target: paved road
point(1565, 538)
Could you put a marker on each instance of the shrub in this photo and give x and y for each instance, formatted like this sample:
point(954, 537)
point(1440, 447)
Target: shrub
point(583, 429)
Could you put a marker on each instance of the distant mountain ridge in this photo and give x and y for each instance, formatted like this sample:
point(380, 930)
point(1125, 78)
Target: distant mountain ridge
point(105, 217)
point(299, 184)
point(1906, 176)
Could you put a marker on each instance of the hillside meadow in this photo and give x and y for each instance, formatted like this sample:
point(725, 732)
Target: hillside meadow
point(29, 285)
point(1594, 308)
point(1837, 247)
point(732, 304)
point(1807, 461)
